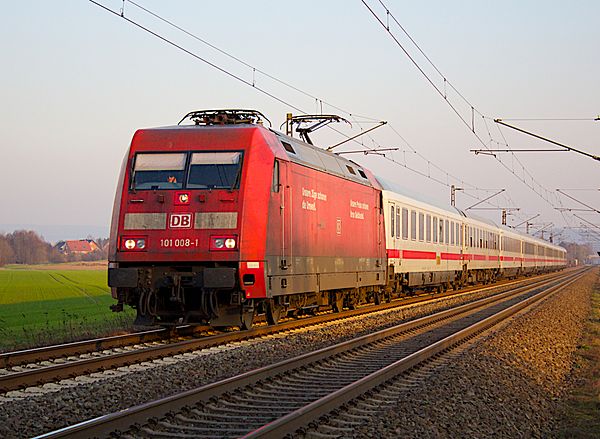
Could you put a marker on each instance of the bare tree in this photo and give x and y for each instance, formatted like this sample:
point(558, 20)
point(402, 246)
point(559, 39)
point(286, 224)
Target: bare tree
point(7, 255)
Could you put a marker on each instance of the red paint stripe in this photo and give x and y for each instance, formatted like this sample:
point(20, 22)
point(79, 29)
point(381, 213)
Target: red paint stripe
point(450, 256)
point(393, 253)
point(415, 254)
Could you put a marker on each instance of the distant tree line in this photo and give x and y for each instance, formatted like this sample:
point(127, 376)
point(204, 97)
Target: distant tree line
point(27, 247)
point(579, 252)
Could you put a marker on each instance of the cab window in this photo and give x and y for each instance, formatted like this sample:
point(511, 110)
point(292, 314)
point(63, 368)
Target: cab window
point(215, 170)
point(159, 171)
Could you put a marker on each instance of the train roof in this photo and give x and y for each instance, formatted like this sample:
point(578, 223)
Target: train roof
point(296, 151)
point(420, 201)
point(413, 195)
point(315, 157)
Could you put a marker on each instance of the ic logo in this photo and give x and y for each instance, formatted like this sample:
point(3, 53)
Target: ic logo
point(180, 221)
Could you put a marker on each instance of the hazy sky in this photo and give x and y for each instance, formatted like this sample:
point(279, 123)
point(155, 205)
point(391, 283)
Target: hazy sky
point(76, 82)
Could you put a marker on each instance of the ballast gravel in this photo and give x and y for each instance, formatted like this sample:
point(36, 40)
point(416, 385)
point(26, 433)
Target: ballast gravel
point(508, 385)
point(34, 414)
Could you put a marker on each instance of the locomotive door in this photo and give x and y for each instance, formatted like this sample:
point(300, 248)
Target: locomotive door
point(286, 212)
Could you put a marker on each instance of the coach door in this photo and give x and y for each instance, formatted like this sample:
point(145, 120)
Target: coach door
point(392, 231)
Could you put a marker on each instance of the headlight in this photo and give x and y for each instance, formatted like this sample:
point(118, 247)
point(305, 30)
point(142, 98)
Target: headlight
point(223, 243)
point(133, 243)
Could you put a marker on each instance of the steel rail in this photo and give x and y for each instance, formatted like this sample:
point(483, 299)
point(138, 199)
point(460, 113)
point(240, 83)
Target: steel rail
point(303, 416)
point(45, 353)
point(37, 376)
point(124, 419)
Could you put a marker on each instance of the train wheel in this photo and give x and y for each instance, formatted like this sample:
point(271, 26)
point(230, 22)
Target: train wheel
point(246, 318)
point(274, 312)
point(338, 304)
point(377, 298)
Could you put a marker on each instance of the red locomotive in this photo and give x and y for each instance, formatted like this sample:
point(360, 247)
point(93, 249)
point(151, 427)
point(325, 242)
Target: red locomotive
point(220, 220)
point(215, 221)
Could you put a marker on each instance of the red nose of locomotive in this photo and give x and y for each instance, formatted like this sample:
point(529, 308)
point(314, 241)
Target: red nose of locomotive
point(181, 207)
point(177, 253)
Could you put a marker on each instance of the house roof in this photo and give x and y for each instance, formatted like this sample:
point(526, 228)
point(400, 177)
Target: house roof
point(80, 245)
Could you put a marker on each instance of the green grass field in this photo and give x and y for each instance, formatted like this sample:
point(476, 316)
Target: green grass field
point(39, 307)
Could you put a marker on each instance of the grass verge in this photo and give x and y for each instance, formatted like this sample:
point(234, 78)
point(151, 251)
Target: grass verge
point(41, 307)
point(582, 411)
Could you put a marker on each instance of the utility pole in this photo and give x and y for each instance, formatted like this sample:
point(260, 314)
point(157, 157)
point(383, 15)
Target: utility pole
point(453, 190)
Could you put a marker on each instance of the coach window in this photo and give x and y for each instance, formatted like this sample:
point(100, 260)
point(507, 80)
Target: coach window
point(398, 223)
point(435, 229)
point(428, 228)
point(447, 232)
point(458, 235)
point(470, 236)
point(480, 239)
point(413, 225)
point(392, 216)
point(421, 226)
point(452, 233)
point(441, 231)
point(159, 171)
point(404, 223)
point(275, 185)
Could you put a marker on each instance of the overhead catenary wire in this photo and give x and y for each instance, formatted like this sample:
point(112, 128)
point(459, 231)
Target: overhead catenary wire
point(252, 83)
point(239, 60)
point(542, 192)
point(527, 178)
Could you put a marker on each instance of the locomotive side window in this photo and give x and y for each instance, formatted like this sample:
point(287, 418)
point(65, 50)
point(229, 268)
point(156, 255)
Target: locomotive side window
point(215, 170)
point(159, 171)
point(288, 147)
point(413, 225)
point(398, 223)
point(404, 223)
point(362, 174)
point(275, 184)
point(350, 169)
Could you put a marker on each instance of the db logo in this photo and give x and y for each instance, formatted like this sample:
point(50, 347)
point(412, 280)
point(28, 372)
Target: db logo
point(180, 221)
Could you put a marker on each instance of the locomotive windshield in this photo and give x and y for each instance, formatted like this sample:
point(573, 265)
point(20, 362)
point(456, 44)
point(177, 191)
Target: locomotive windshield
point(159, 171)
point(207, 170)
point(219, 170)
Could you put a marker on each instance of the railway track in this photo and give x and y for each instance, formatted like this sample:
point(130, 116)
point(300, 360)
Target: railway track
point(19, 370)
point(280, 399)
